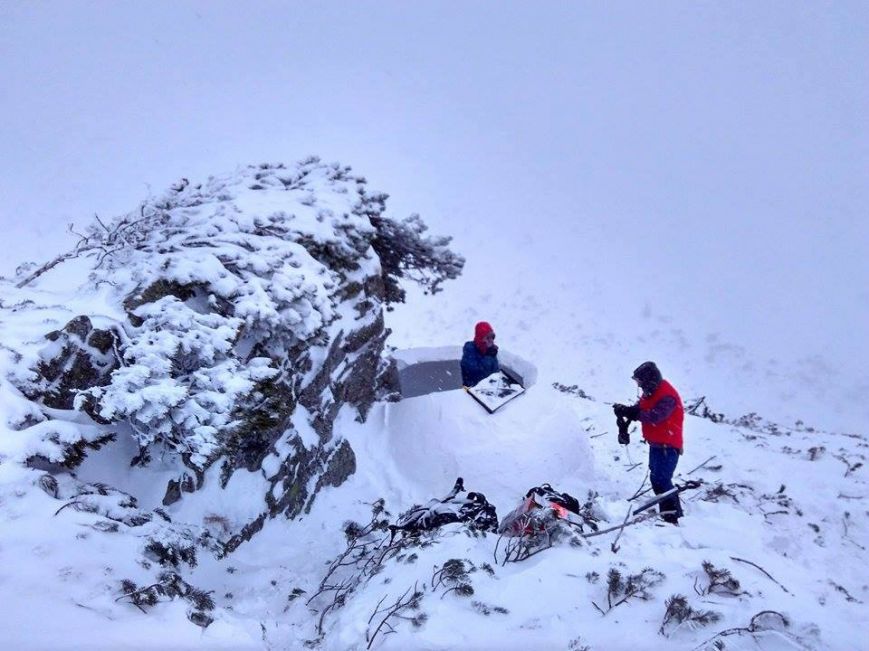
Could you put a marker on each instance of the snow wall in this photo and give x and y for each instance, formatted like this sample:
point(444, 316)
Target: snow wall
point(428, 370)
point(536, 438)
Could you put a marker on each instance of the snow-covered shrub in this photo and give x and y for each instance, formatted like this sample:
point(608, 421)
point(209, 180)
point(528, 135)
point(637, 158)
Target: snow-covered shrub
point(181, 382)
point(487, 609)
point(679, 613)
point(170, 585)
point(231, 285)
point(58, 446)
point(171, 554)
point(622, 588)
point(454, 576)
point(719, 582)
point(405, 253)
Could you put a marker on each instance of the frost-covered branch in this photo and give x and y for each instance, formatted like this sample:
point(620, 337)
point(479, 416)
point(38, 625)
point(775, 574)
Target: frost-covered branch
point(678, 613)
point(621, 589)
point(405, 253)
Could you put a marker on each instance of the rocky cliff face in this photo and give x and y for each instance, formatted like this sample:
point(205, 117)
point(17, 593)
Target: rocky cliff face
point(249, 313)
point(81, 357)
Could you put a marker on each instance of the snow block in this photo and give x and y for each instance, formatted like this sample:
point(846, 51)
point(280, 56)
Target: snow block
point(430, 370)
point(440, 436)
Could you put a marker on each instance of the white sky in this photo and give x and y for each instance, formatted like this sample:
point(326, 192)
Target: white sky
point(709, 161)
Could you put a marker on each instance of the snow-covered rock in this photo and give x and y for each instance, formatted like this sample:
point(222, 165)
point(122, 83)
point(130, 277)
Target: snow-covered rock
point(216, 334)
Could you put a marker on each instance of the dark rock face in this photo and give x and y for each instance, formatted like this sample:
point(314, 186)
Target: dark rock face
point(361, 381)
point(261, 427)
point(80, 357)
point(352, 373)
point(349, 375)
point(175, 487)
point(154, 292)
point(340, 466)
point(84, 357)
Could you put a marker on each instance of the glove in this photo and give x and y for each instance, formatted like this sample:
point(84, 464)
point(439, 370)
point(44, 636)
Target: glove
point(624, 411)
point(492, 350)
point(624, 435)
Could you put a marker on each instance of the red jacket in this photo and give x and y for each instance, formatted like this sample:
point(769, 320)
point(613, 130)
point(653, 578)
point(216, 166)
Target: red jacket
point(668, 431)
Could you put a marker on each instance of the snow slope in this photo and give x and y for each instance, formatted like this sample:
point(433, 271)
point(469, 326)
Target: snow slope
point(782, 511)
point(788, 500)
point(783, 508)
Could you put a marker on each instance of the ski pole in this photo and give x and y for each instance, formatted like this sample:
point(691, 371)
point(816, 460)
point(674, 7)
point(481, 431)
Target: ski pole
point(688, 485)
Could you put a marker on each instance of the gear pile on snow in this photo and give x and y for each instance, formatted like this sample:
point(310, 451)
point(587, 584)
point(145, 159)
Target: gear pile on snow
point(542, 508)
point(458, 506)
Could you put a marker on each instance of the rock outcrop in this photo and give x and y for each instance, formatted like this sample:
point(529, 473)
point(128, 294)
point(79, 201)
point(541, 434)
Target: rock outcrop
point(250, 313)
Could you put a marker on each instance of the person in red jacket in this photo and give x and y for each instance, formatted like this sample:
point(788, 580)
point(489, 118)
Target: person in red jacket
point(661, 413)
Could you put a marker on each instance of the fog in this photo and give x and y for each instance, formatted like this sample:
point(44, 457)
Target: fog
point(704, 166)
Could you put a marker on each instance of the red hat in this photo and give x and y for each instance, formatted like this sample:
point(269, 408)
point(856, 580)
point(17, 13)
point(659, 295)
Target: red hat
point(481, 330)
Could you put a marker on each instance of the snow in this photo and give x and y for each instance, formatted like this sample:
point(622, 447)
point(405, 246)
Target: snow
point(411, 451)
point(434, 437)
point(533, 439)
point(411, 356)
point(303, 427)
point(683, 184)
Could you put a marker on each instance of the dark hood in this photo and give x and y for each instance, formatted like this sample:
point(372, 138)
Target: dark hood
point(648, 377)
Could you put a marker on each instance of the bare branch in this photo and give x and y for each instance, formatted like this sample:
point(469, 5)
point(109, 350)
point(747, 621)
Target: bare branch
point(48, 266)
point(742, 560)
point(400, 604)
point(752, 629)
point(701, 465)
point(640, 490)
point(614, 547)
point(100, 222)
point(70, 503)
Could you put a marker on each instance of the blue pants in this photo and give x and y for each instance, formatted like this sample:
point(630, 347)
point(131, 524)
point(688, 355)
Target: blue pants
point(662, 465)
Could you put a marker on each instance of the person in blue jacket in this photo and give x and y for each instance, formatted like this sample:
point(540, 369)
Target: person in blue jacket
point(480, 356)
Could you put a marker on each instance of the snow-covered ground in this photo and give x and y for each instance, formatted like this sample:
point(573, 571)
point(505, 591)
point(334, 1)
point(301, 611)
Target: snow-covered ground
point(683, 184)
point(785, 503)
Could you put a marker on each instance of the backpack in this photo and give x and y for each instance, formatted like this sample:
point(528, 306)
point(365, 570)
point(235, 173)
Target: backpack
point(544, 508)
point(458, 506)
point(548, 494)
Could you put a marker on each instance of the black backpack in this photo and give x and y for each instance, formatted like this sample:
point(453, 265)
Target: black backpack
point(458, 506)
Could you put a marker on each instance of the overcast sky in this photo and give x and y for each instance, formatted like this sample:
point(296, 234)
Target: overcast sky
point(709, 162)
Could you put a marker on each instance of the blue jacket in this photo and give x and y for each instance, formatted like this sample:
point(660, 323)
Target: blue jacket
point(476, 365)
